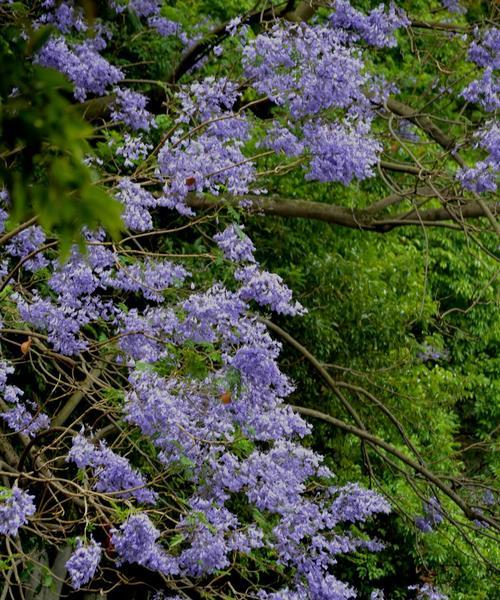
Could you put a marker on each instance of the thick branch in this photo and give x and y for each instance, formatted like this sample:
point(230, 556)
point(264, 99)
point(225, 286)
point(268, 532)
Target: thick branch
point(363, 219)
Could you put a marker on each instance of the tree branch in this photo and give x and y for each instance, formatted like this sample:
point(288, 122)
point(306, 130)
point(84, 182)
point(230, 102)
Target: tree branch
point(363, 219)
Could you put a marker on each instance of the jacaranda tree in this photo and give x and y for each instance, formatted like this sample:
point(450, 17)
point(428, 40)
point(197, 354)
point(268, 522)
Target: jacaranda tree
point(147, 446)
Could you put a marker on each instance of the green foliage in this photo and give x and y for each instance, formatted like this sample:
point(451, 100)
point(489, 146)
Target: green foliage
point(44, 141)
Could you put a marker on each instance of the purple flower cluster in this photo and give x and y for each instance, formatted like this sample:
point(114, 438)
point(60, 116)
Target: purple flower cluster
point(485, 52)
point(236, 246)
point(376, 29)
point(454, 6)
point(427, 592)
point(166, 27)
point(150, 277)
point(267, 289)
point(206, 99)
point(484, 175)
point(432, 517)
point(64, 16)
point(136, 542)
point(136, 201)
point(341, 151)
point(19, 418)
point(83, 563)
point(82, 64)
point(16, 506)
point(27, 241)
point(281, 139)
point(113, 473)
point(207, 163)
point(308, 68)
point(133, 149)
point(130, 107)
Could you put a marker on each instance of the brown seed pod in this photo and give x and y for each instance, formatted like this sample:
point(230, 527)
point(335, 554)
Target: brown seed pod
point(25, 346)
point(226, 397)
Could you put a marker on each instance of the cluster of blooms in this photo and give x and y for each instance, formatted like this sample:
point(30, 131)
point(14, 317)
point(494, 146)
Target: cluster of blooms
point(26, 242)
point(483, 176)
point(16, 506)
point(308, 68)
point(130, 107)
point(150, 9)
point(82, 64)
point(133, 149)
point(113, 473)
point(341, 151)
point(83, 563)
point(64, 16)
point(137, 203)
point(235, 244)
point(18, 417)
point(423, 592)
point(432, 517)
point(186, 169)
point(485, 53)
point(454, 6)
point(427, 592)
point(77, 304)
point(377, 28)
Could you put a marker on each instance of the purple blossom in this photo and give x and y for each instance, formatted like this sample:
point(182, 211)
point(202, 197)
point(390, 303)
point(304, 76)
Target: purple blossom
point(481, 178)
point(137, 201)
point(27, 241)
point(130, 107)
point(82, 64)
point(267, 289)
point(454, 6)
point(340, 151)
point(62, 323)
point(166, 27)
point(432, 517)
point(3, 217)
point(205, 163)
point(236, 246)
point(426, 591)
point(207, 98)
point(6, 369)
point(281, 139)
point(485, 51)
point(16, 506)
point(83, 563)
point(133, 149)
point(145, 8)
point(377, 28)
point(489, 497)
point(423, 524)
point(65, 17)
point(21, 420)
point(136, 542)
point(484, 91)
point(149, 277)
point(18, 417)
point(113, 472)
point(309, 68)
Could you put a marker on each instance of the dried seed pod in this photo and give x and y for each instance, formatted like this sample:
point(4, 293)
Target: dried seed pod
point(25, 346)
point(226, 397)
